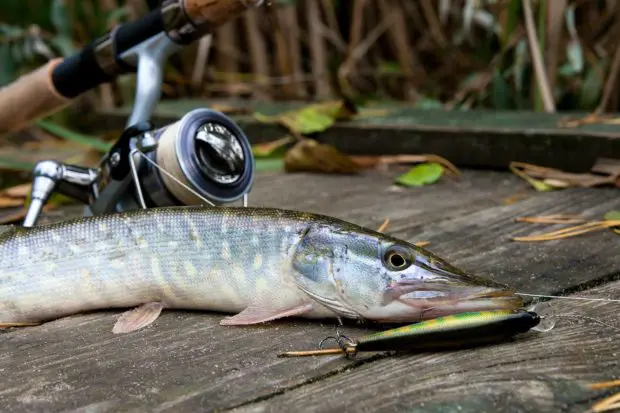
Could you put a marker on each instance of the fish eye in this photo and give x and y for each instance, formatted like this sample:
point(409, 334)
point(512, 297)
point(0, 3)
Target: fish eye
point(396, 258)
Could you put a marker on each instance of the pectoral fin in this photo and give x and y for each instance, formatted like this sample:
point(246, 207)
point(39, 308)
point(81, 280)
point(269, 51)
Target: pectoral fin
point(255, 314)
point(137, 318)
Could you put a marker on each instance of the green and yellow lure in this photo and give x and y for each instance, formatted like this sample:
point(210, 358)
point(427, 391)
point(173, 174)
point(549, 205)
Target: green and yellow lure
point(458, 330)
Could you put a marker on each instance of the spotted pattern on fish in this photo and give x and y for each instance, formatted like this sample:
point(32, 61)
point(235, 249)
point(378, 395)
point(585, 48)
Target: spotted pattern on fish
point(221, 259)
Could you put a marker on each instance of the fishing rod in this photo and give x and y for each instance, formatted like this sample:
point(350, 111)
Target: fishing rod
point(203, 157)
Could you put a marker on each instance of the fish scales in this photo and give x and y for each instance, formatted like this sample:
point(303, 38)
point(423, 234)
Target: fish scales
point(184, 257)
point(259, 263)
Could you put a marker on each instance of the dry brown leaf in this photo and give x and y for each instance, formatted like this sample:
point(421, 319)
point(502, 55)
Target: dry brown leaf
point(559, 179)
point(370, 161)
point(6, 202)
point(18, 191)
point(309, 155)
point(589, 119)
point(422, 244)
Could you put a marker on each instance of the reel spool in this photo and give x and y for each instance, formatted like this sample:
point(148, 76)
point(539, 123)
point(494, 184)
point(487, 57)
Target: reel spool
point(203, 158)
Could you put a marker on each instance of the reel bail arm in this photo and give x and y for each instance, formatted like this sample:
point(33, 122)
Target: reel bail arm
point(142, 46)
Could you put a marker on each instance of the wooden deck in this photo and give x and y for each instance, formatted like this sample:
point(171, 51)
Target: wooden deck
point(187, 362)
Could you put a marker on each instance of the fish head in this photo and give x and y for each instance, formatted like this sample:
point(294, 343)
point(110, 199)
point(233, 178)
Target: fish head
point(362, 274)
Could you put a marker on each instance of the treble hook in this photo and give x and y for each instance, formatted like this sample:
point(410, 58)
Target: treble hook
point(346, 345)
point(340, 339)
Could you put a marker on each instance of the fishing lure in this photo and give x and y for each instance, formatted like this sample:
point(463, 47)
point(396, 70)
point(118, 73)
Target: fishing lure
point(458, 330)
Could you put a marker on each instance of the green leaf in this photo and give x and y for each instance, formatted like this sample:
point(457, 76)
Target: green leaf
point(612, 216)
point(592, 87)
point(422, 174)
point(388, 67)
point(7, 68)
point(311, 119)
point(500, 92)
point(273, 149)
point(10, 164)
point(91, 141)
point(575, 55)
point(62, 24)
point(269, 164)
point(427, 103)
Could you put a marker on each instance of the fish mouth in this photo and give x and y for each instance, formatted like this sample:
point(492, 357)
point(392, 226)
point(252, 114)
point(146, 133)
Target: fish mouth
point(438, 300)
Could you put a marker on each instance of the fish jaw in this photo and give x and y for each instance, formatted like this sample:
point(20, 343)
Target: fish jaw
point(409, 306)
point(354, 273)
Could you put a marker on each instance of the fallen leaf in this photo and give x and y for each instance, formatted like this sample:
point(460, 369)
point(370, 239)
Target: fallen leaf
point(309, 155)
point(538, 185)
point(544, 179)
point(590, 119)
point(312, 119)
point(612, 216)
point(420, 175)
point(273, 149)
point(269, 164)
point(422, 244)
point(370, 161)
point(10, 202)
point(18, 191)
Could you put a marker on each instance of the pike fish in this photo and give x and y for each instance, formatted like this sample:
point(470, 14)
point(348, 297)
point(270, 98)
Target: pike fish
point(255, 264)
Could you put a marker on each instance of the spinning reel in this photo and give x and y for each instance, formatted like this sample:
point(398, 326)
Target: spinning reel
point(203, 158)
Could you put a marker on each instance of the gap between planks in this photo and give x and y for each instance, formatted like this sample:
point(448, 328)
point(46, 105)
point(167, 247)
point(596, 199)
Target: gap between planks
point(512, 376)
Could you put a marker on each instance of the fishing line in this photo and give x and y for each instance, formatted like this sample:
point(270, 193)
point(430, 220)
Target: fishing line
point(610, 300)
point(165, 172)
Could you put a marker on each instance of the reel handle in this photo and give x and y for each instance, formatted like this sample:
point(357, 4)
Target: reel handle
point(203, 158)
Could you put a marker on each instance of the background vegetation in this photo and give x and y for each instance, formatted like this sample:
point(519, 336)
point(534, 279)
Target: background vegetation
point(541, 55)
point(500, 54)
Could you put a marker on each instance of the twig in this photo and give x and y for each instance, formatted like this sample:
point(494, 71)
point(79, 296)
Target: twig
point(539, 67)
point(604, 385)
point(200, 64)
point(610, 403)
point(609, 83)
point(258, 53)
point(384, 225)
point(317, 50)
point(570, 232)
point(553, 219)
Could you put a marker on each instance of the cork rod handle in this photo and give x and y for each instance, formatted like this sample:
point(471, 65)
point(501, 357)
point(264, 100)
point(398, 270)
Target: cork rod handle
point(52, 87)
point(214, 13)
point(30, 97)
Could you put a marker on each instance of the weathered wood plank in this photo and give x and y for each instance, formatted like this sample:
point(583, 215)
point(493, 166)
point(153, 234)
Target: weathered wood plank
point(537, 372)
point(369, 199)
point(186, 361)
point(480, 242)
point(76, 362)
point(467, 138)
